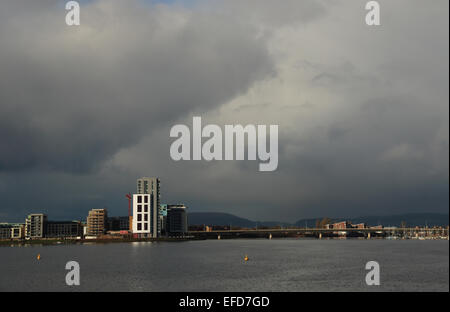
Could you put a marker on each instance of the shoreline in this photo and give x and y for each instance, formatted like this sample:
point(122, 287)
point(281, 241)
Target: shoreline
point(13, 243)
point(55, 242)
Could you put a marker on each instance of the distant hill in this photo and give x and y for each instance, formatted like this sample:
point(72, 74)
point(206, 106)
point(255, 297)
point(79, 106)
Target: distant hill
point(218, 218)
point(224, 219)
point(411, 219)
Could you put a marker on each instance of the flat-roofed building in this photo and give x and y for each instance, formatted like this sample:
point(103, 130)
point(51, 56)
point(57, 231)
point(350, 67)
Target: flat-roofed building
point(151, 187)
point(35, 226)
point(143, 217)
point(18, 231)
point(341, 225)
point(60, 229)
point(163, 218)
point(12, 231)
point(176, 219)
point(360, 226)
point(117, 223)
point(96, 222)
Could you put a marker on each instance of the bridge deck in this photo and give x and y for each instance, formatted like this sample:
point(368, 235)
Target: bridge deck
point(318, 230)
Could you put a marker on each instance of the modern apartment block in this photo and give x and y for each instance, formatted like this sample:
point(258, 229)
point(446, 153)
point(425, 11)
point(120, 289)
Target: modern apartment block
point(177, 220)
point(150, 187)
point(96, 222)
point(59, 229)
point(35, 226)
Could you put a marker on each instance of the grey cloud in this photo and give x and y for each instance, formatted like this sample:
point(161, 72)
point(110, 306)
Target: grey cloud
point(365, 130)
point(270, 13)
point(72, 97)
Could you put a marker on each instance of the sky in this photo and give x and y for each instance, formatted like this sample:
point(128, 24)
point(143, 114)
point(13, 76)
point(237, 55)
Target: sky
point(362, 111)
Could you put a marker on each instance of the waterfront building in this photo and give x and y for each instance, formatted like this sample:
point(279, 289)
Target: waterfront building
point(18, 231)
point(163, 218)
point(5, 231)
point(60, 229)
point(143, 217)
point(341, 225)
point(359, 226)
point(35, 226)
point(12, 231)
point(177, 220)
point(118, 223)
point(345, 225)
point(150, 187)
point(96, 222)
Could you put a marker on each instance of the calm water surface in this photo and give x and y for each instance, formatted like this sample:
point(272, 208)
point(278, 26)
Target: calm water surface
point(217, 265)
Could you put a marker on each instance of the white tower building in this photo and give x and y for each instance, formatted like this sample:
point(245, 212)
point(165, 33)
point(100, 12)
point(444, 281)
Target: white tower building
point(146, 206)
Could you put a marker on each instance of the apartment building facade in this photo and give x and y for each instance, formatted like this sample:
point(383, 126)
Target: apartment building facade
point(96, 222)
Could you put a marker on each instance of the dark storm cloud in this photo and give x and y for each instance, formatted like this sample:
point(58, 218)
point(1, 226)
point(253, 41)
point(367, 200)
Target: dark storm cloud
point(386, 157)
point(72, 97)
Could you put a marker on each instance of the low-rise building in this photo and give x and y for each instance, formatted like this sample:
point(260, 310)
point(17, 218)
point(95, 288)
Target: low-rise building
point(359, 226)
point(341, 225)
point(12, 231)
point(18, 231)
point(118, 224)
point(5, 231)
point(64, 229)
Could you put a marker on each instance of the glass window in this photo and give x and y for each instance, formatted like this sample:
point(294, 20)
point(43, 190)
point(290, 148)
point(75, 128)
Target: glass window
point(139, 199)
point(139, 226)
point(139, 209)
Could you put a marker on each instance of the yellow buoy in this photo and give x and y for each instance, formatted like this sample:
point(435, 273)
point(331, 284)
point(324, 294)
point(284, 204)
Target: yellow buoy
point(39, 257)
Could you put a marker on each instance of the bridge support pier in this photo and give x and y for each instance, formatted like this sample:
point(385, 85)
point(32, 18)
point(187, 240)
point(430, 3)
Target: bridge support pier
point(320, 235)
point(368, 235)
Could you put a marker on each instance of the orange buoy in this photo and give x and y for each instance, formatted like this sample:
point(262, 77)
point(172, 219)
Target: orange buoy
point(246, 258)
point(39, 257)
